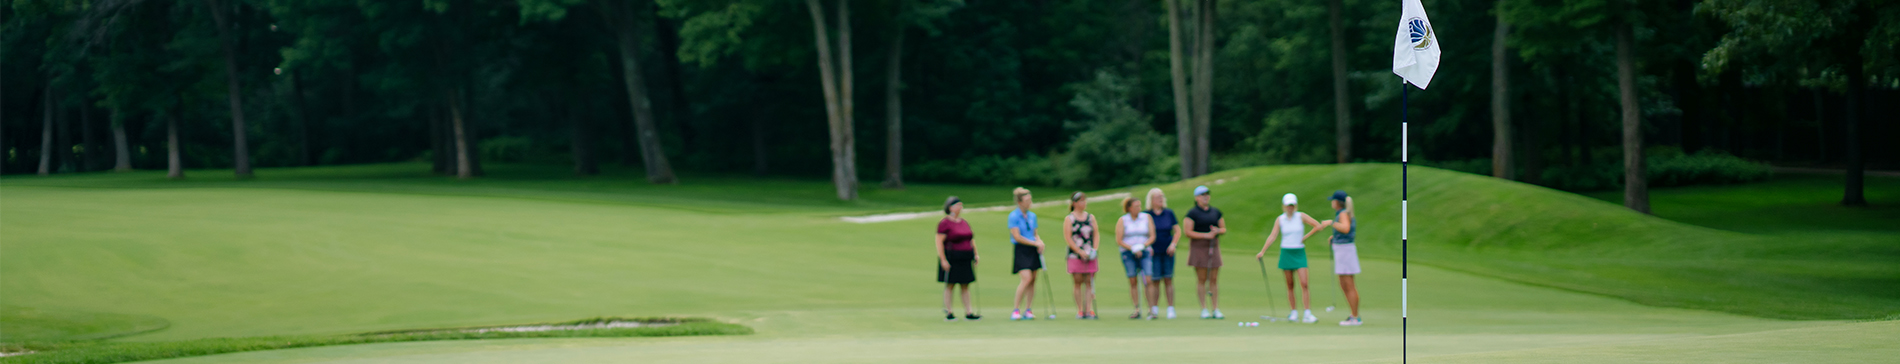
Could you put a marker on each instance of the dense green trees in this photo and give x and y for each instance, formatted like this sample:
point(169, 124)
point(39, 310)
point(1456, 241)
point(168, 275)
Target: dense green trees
point(999, 92)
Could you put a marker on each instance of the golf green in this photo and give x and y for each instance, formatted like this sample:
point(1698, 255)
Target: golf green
point(1501, 273)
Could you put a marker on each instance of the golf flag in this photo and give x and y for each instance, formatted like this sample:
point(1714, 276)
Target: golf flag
point(1415, 51)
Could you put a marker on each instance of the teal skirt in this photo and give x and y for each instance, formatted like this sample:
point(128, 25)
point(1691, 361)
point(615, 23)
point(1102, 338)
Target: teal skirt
point(1291, 259)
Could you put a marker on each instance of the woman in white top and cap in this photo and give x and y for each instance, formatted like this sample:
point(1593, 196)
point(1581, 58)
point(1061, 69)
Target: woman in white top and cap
point(1291, 228)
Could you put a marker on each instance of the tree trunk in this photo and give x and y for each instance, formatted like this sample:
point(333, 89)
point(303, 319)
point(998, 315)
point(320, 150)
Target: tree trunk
point(843, 176)
point(1850, 125)
point(652, 154)
point(439, 141)
point(122, 150)
point(1342, 106)
point(1502, 163)
point(669, 38)
point(46, 129)
point(894, 107)
point(301, 116)
point(464, 167)
point(847, 113)
point(174, 158)
point(759, 155)
point(580, 144)
point(63, 152)
point(1177, 68)
point(240, 149)
point(1635, 181)
point(1203, 85)
point(90, 147)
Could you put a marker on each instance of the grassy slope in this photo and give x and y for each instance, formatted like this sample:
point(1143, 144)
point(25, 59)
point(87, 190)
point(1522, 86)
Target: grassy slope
point(224, 259)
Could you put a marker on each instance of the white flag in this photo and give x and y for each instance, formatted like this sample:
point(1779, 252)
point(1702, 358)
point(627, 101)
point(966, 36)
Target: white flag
point(1415, 52)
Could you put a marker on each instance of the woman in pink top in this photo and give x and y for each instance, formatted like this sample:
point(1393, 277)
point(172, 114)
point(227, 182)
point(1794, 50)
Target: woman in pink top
point(956, 257)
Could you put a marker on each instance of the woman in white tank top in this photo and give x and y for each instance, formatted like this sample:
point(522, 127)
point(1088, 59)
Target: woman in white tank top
point(1135, 232)
point(1291, 228)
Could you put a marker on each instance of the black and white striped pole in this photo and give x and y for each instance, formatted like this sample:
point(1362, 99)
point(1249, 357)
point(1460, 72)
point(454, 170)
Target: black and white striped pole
point(1405, 267)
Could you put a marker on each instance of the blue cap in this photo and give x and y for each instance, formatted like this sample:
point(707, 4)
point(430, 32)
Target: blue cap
point(1339, 195)
point(1201, 190)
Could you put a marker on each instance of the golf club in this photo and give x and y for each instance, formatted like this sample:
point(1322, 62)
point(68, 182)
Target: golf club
point(1269, 284)
point(1335, 300)
point(979, 291)
point(1047, 288)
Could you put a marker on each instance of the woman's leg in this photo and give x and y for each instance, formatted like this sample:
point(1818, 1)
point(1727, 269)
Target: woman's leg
point(1306, 296)
point(1200, 286)
point(1351, 288)
point(1292, 300)
point(946, 297)
point(1167, 285)
point(1026, 290)
point(1213, 287)
point(1148, 291)
point(1134, 292)
point(966, 299)
point(1081, 300)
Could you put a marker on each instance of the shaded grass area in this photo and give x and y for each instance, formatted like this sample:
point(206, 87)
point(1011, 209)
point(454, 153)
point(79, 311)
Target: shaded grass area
point(615, 185)
point(96, 352)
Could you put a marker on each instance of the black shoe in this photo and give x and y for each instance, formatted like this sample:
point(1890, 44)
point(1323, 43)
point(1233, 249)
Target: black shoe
point(972, 317)
point(949, 316)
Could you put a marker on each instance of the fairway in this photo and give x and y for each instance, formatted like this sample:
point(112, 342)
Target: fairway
point(1502, 272)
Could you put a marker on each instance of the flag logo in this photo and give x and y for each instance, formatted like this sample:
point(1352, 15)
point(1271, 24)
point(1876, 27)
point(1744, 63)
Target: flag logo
point(1421, 33)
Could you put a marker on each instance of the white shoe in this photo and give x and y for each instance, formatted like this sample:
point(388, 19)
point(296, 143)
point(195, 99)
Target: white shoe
point(1293, 316)
point(1350, 321)
point(1170, 312)
point(1309, 318)
point(1205, 314)
point(1218, 316)
point(1154, 311)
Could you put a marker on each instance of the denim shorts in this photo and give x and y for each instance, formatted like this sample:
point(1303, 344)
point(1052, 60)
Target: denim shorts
point(1143, 266)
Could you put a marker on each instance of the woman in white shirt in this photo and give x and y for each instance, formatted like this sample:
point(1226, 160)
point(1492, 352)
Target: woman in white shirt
point(1291, 228)
point(1135, 231)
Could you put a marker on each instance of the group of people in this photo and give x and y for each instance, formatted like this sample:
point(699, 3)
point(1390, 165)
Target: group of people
point(1146, 238)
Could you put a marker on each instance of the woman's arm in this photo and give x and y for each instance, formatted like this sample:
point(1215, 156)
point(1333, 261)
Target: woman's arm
point(1344, 223)
point(1220, 228)
point(1308, 219)
point(1018, 234)
point(1151, 233)
point(1188, 228)
point(1272, 234)
point(942, 261)
point(1121, 228)
point(1177, 239)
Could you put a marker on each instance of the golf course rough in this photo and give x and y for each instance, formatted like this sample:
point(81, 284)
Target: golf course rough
point(1498, 267)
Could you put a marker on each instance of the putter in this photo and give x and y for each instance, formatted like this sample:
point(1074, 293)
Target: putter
point(1269, 284)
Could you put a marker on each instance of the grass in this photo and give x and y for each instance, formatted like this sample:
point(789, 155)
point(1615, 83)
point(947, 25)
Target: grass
point(341, 250)
point(83, 352)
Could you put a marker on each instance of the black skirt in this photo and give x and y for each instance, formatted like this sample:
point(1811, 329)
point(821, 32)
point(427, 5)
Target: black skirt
point(1026, 259)
point(960, 271)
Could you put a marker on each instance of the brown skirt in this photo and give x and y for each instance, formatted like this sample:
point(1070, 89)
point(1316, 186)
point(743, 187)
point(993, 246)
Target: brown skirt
point(1204, 253)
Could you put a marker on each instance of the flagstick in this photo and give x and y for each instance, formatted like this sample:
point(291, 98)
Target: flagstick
point(1404, 253)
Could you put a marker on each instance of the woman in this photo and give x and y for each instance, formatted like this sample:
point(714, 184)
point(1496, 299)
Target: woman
point(1136, 232)
point(956, 257)
point(1290, 227)
point(1079, 226)
point(1204, 226)
point(1167, 231)
point(1028, 250)
point(1345, 255)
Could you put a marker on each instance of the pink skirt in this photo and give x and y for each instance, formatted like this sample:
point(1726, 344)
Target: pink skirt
point(1082, 266)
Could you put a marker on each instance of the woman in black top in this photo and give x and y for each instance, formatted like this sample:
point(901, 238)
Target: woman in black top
point(1204, 226)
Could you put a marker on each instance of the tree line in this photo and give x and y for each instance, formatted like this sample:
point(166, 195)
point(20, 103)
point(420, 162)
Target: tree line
point(1085, 93)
